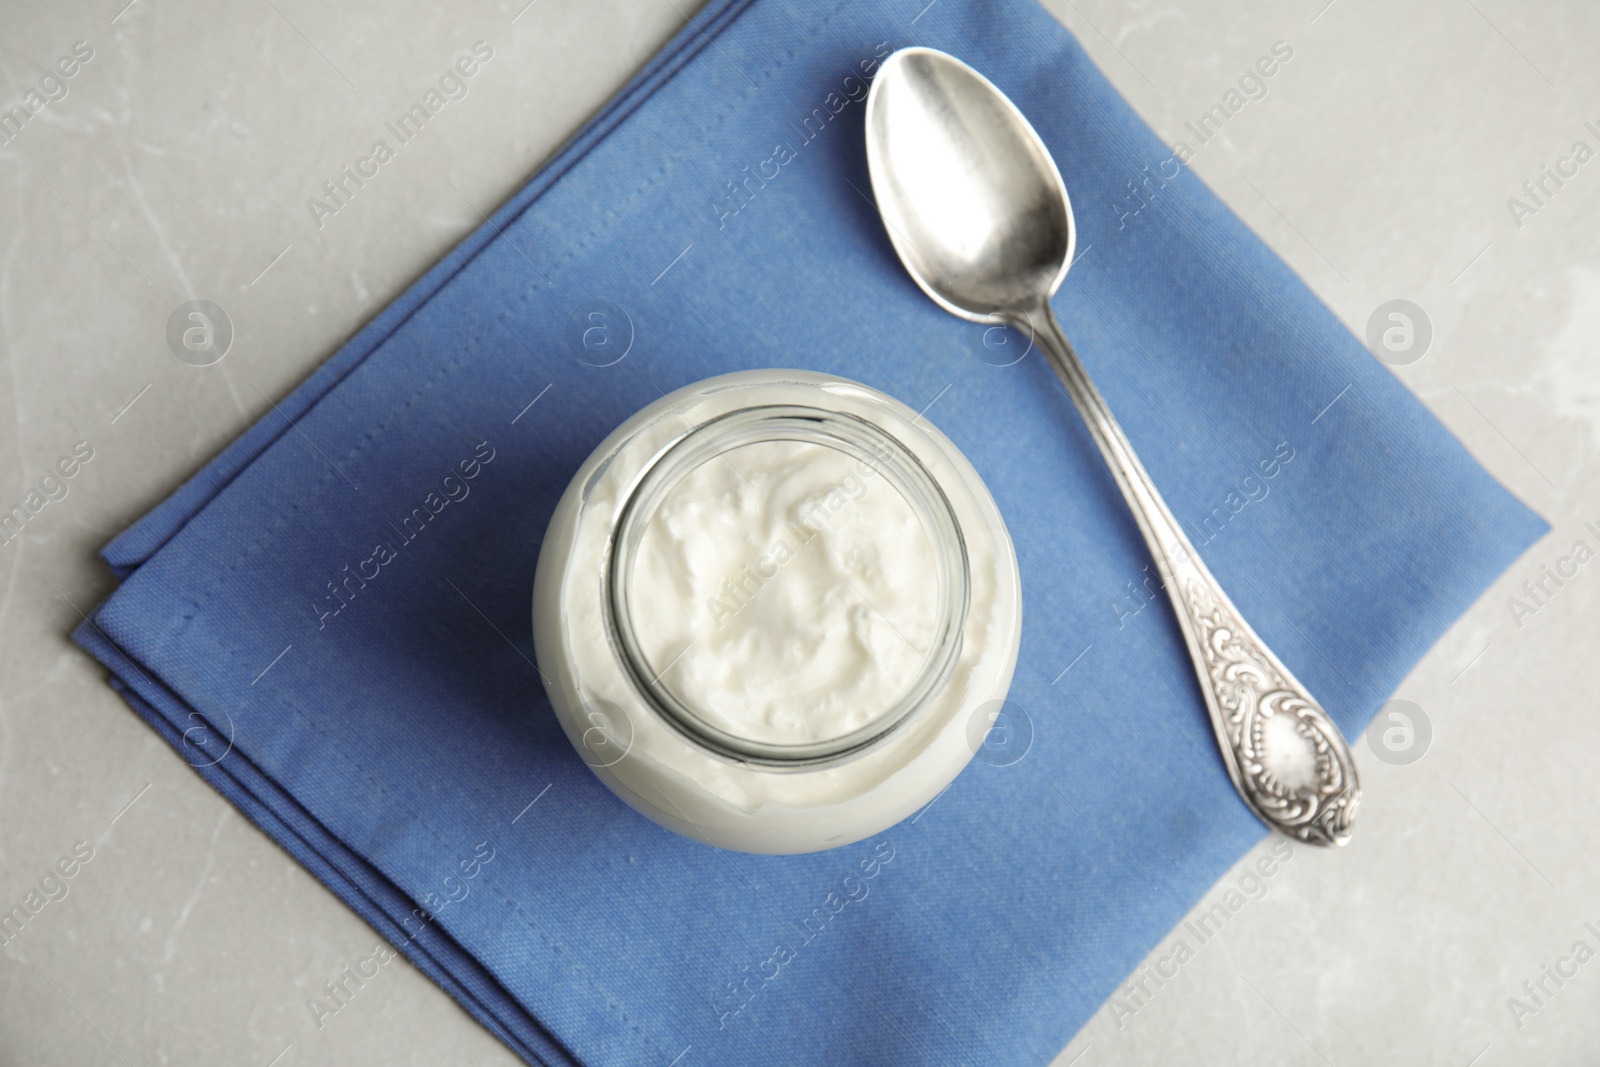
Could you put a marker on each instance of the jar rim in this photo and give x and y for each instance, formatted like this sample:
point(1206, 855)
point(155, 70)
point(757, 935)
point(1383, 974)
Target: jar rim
point(757, 424)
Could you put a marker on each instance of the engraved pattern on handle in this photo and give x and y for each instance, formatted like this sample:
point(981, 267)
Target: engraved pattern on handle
point(1259, 709)
point(1287, 759)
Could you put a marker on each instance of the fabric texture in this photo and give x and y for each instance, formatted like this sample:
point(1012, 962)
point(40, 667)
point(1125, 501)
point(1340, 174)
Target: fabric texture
point(378, 712)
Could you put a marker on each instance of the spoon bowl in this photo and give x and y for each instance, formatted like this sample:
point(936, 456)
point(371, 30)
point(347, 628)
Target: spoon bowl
point(971, 198)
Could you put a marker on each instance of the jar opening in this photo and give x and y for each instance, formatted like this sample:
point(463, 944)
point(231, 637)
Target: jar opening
point(787, 584)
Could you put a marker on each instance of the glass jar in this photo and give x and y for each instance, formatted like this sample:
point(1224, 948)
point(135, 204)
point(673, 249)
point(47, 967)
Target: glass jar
point(776, 611)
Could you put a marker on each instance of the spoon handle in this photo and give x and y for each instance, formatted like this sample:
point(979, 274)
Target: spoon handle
point(1287, 759)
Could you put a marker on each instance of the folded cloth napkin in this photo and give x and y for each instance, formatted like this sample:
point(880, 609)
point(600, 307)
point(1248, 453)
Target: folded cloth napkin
point(331, 621)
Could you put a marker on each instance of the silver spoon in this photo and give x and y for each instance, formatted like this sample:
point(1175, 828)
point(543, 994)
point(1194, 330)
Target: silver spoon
point(980, 217)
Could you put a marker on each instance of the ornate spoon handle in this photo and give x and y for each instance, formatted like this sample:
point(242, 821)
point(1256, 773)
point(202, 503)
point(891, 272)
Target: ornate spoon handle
point(1287, 759)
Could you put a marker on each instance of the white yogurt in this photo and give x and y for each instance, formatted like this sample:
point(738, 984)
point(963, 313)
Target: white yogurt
point(819, 700)
point(783, 591)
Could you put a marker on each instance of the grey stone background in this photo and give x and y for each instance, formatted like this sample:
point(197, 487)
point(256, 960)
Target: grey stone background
point(1379, 164)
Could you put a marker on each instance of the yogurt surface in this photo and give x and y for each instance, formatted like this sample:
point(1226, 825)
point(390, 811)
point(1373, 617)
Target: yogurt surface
point(786, 592)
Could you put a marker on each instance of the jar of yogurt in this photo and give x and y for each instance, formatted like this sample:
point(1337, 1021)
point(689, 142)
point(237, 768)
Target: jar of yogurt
point(777, 611)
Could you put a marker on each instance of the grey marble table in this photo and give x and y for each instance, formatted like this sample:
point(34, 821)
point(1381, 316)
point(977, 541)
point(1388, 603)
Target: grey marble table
point(1417, 151)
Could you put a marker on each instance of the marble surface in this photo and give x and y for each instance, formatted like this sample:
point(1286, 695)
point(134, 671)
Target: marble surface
point(175, 164)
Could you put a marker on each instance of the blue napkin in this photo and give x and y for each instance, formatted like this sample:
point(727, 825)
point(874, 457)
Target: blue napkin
point(331, 621)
